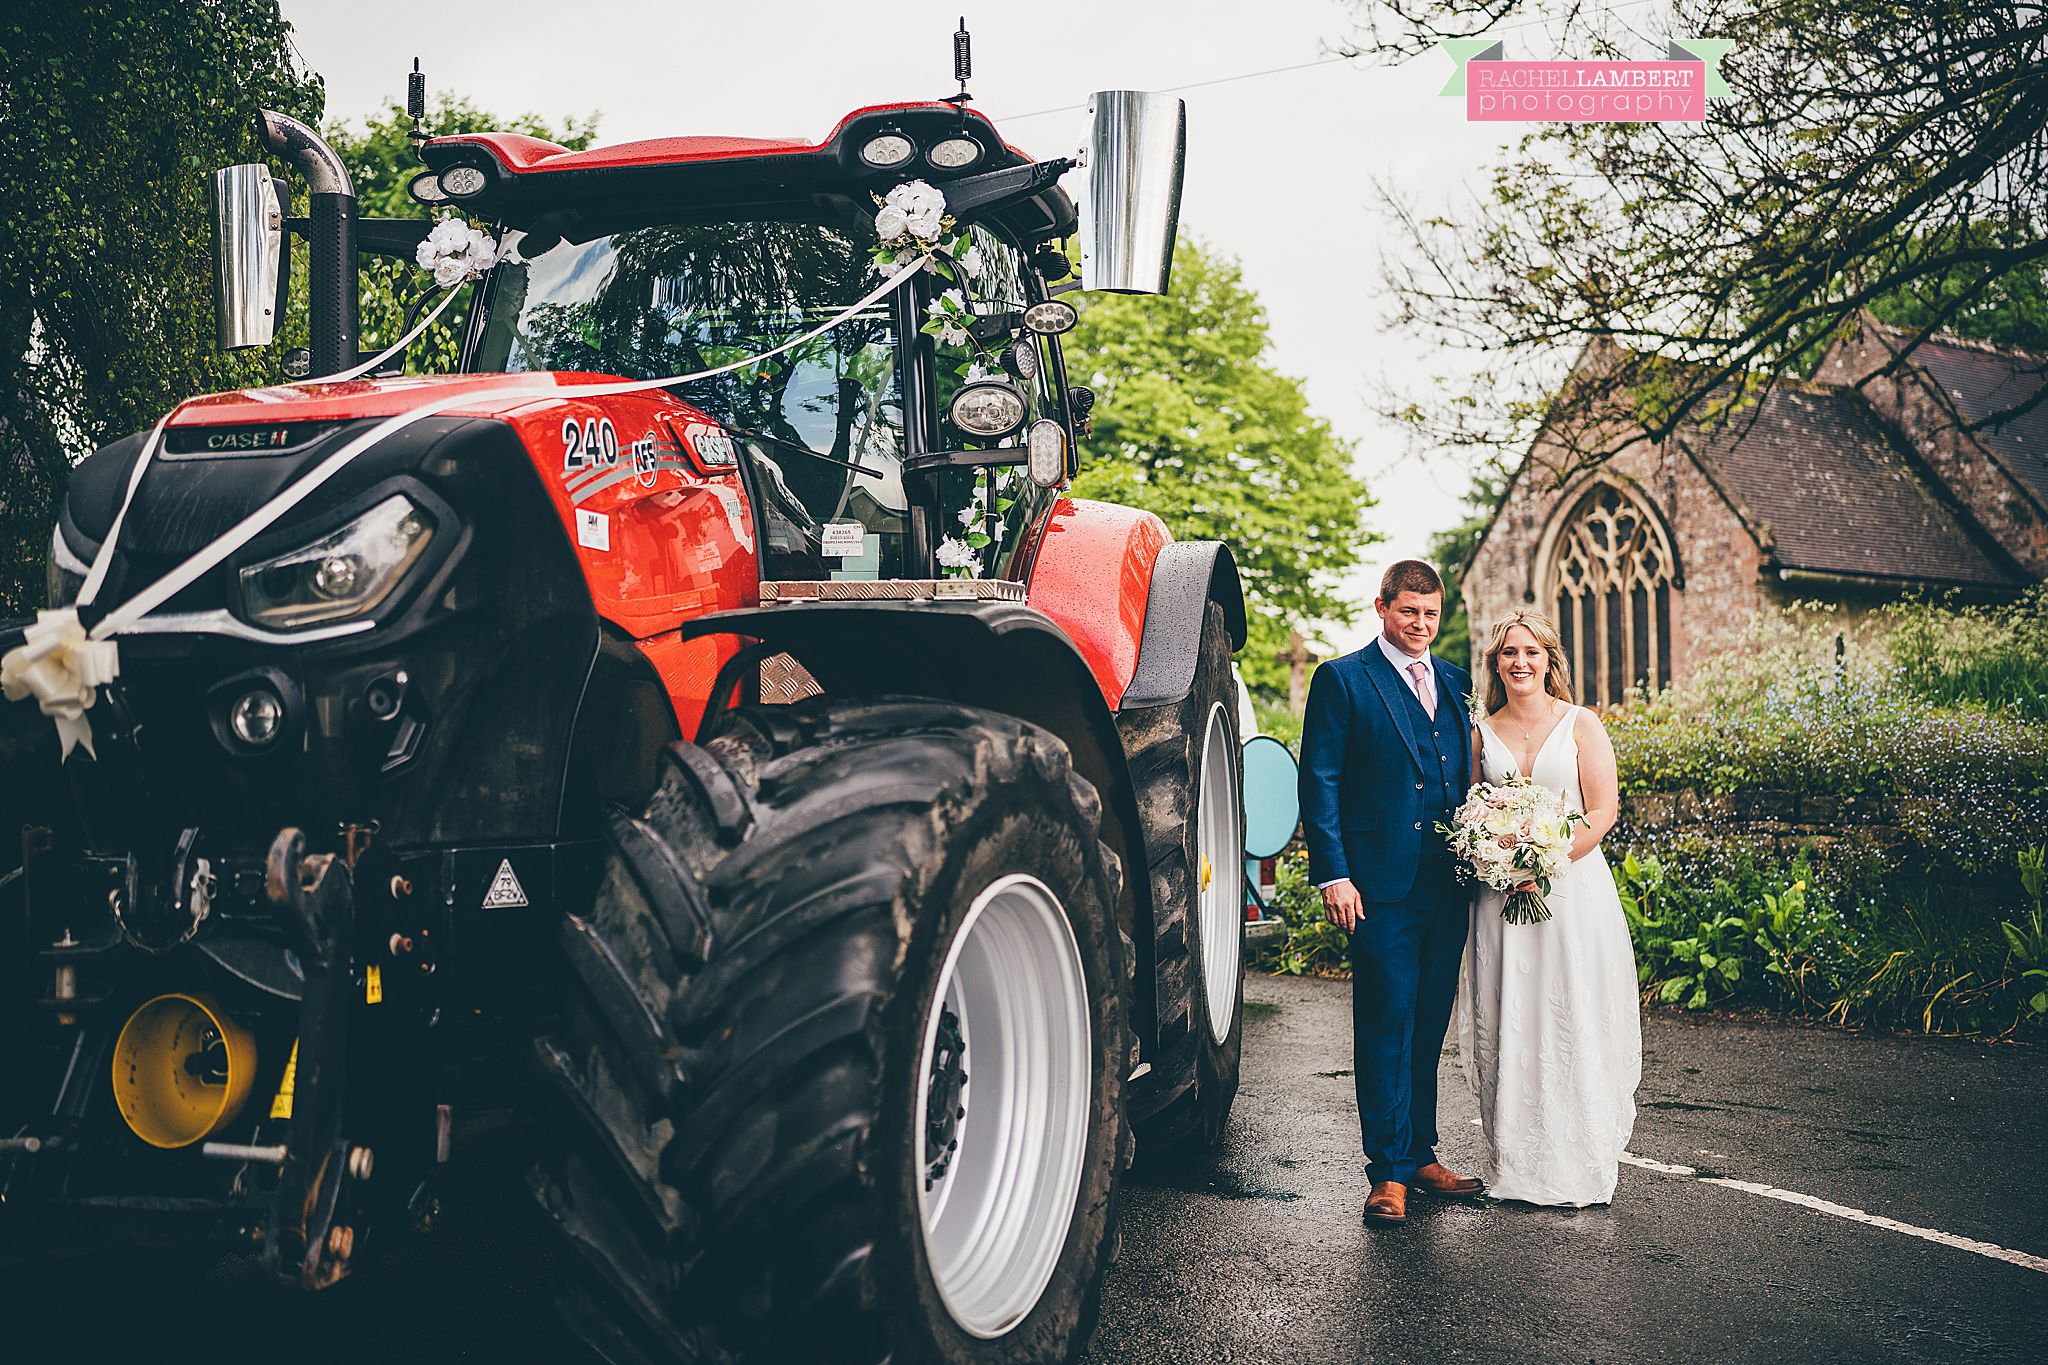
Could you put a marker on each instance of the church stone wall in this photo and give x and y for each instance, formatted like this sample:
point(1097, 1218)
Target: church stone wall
point(1720, 560)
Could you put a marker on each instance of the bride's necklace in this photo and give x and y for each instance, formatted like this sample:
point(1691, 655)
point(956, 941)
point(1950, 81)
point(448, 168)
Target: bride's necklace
point(1529, 735)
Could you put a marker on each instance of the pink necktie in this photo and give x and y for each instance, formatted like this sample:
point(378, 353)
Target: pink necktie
point(1424, 693)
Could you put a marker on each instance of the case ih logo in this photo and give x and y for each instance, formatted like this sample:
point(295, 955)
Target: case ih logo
point(1672, 90)
point(248, 438)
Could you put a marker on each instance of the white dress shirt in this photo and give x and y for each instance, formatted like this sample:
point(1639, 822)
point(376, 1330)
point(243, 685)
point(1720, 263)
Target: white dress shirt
point(1401, 659)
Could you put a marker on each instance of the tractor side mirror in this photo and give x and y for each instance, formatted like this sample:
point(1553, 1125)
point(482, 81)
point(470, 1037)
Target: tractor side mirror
point(248, 239)
point(1137, 150)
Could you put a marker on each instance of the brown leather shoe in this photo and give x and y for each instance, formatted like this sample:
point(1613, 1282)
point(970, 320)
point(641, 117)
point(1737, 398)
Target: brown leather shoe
point(1445, 1183)
point(1388, 1203)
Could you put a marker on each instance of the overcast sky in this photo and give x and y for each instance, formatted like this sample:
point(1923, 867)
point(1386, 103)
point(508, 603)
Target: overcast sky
point(1278, 166)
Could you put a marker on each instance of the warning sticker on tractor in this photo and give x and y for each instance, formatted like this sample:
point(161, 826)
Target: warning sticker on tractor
point(506, 893)
point(593, 530)
point(842, 539)
point(373, 985)
point(281, 1103)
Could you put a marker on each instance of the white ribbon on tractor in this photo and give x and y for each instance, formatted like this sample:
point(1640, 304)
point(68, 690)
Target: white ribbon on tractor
point(62, 665)
point(63, 669)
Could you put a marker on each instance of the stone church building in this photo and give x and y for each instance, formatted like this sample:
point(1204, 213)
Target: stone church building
point(1848, 488)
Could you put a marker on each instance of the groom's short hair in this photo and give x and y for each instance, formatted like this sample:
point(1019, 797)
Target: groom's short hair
point(1409, 575)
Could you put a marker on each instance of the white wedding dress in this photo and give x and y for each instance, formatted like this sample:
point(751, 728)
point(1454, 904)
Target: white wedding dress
point(1551, 1036)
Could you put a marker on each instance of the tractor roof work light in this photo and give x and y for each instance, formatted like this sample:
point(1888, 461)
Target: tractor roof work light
point(463, 182)
point(955, 153)
point(890, 149)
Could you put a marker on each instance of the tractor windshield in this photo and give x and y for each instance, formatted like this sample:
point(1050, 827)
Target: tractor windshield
point(821, 425)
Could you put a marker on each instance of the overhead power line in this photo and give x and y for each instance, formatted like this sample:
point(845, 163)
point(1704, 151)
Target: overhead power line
point(1332, 60)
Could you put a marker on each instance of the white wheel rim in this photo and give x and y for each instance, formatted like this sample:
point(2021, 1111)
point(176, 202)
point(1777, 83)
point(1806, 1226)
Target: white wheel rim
point(1219, 874)
point(996, 1214)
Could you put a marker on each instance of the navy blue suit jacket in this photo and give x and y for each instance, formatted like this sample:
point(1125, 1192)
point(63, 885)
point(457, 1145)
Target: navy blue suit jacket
point(1362, 770)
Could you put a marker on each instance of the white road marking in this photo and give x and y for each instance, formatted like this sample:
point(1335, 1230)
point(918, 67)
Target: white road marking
point(1807, 1201)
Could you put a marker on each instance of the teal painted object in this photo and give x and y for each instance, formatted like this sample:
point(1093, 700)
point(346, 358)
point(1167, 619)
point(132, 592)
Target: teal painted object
point(1272, 803)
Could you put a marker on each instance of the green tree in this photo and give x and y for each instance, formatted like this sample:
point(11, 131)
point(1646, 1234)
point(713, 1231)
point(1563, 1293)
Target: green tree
point(1873, 155)
point(113, 114)
point(381, 162)
point(1192, 423)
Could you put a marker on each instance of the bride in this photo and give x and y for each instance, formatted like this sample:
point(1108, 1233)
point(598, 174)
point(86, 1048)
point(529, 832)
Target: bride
point(1552, 1036)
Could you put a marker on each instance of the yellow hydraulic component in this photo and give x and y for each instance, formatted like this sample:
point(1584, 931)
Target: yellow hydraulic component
point(182, 1070)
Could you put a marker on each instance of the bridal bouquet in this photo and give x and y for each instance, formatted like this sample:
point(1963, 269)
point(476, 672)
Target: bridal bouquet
point(1510, 834)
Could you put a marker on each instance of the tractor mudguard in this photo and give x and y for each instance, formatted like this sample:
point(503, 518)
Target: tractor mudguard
point(1093, 574)
point(1187, 576)
point(1005, 656)
point(1131, 597)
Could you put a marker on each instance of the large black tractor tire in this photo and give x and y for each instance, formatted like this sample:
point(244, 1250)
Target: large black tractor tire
point(750, 1015)
point(1183, 1102)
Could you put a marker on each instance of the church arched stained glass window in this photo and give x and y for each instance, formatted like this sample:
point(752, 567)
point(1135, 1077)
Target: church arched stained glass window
point(1610, 583)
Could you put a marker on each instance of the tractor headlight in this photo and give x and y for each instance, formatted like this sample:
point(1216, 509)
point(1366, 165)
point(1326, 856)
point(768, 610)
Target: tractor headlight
point(344, 573)
point(65, 574)
point(988, 408)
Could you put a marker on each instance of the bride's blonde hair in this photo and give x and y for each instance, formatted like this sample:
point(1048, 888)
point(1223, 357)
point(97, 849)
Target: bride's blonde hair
point(1557, 682)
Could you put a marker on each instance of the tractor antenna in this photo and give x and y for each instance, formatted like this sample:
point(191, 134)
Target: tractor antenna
point(416, 103)
point(963, 62)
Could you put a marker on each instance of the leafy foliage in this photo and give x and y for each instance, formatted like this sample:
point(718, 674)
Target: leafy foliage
point(1922, 906)
point(113, 115)
point(1192, 423)
point(1872, 155)
point(1312, 946)
point(1960, 654)
point(380, 160)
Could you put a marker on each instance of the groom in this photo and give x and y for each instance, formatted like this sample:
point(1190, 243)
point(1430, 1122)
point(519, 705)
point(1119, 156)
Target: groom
point(1386, 753)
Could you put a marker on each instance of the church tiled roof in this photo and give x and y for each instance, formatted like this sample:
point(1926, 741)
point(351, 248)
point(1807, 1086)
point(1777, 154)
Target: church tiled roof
point(1818, 481)
point(1982, 383)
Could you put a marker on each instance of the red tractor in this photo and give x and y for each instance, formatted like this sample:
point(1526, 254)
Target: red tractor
point(765, 805)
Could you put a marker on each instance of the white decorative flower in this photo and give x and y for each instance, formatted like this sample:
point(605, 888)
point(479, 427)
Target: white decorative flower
point(971, 514)
point(926, 225)
point(449, 235)
point(975, 370)
point(949, 310)
point(958, 554)
point(455, 251)
point(916, 196)
point(970, 260)
point(891, 223)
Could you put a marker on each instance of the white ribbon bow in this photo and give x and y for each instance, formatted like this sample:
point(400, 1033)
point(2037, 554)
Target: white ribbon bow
point(63, 668)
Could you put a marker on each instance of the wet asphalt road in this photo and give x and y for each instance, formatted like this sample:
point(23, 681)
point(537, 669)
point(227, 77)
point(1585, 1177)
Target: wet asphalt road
point(1262, 1257)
